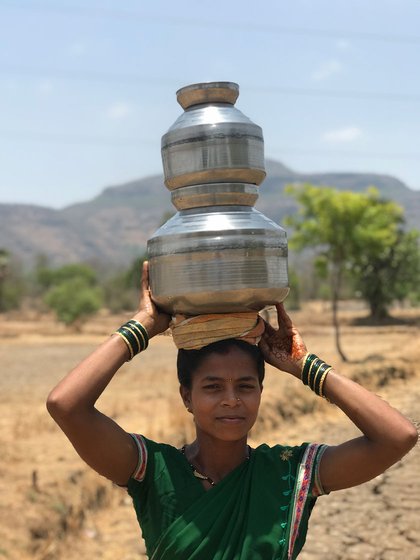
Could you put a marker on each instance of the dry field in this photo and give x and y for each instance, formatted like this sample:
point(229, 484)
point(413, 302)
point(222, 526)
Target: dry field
point(52, 507)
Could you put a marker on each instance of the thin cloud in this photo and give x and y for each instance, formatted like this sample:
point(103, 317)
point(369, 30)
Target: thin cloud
point(326, 70)
point(44, 88)
point(342, 135)
point(343, 44)
point(76, 49)
point(118, 111)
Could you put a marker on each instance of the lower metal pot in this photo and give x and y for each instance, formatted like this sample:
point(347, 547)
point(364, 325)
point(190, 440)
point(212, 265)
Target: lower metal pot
point(218, 260)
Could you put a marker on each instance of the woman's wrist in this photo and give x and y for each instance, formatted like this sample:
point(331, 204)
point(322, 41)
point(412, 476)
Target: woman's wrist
point(295, 369)
point(147, 321)
point(298, 367)
point(122, 346)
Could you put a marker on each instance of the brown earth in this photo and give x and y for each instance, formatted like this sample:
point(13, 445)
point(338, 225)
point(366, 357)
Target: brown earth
point(53, 507)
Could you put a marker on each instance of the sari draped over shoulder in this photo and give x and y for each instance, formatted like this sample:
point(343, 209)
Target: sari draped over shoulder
point(259, 511)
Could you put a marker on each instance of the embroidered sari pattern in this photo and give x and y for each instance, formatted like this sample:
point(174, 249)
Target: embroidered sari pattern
point(302, 487)
point(289, 479)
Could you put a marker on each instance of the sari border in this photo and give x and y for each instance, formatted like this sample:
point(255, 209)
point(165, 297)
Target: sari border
point(303, 482)
point(317, 489)
point(140, 470)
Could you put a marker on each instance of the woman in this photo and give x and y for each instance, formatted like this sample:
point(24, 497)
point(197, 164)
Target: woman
point(217, 498)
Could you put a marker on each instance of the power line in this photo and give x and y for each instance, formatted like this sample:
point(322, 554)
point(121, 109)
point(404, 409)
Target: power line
point(85, 76)
point(214, 24)
point(351, 94)
point(65, 139)
point(133, 79)
point(347, 153)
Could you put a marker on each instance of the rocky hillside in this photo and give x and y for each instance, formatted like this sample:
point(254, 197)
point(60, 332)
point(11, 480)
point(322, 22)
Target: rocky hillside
point(114, 226)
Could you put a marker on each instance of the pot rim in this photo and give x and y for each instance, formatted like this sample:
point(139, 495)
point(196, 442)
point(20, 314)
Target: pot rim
point(207, 92)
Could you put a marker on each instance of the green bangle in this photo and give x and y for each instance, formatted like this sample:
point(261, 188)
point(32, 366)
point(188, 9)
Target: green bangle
point(320, 372)
point(135, 336)
point(132, 337)
point(127, 342)
point(306, 366)
point(141, 331)
point(315, 365)
point(314, 372)
point(321, 385)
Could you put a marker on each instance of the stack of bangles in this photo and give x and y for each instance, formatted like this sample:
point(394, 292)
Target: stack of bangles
point(314, 373)
point(135, 336)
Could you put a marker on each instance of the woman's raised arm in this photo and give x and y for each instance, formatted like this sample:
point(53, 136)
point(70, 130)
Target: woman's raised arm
point(99, 441)
point(387, 434)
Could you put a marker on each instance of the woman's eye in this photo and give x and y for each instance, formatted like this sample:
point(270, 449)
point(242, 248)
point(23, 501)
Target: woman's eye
point(247, 387)
point(214, 386)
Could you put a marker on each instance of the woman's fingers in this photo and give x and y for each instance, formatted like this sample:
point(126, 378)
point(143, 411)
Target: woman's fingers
point(265, 349)
point(145, 277)
point(145, 299)
point(283, 317)
point(268, 331)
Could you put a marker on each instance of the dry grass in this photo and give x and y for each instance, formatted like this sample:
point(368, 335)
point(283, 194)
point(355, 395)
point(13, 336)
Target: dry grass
point(54, 508)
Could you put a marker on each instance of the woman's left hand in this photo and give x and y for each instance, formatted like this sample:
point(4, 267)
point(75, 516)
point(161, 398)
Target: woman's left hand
point(283, 348)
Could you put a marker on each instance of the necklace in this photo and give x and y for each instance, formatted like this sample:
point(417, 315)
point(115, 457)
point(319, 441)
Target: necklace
point(202, 476)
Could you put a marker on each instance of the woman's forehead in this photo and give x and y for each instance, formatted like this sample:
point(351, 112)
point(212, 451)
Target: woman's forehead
point(233, 364)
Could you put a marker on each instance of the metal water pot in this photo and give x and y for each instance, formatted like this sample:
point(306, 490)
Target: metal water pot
point(212, 141)
point(218, 259)
point(217, 254)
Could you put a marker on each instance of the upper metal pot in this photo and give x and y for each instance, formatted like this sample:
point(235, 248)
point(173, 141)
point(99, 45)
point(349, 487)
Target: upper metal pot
point(212, 141)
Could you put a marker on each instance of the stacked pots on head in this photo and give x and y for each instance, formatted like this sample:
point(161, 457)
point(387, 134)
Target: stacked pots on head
point(217, 254)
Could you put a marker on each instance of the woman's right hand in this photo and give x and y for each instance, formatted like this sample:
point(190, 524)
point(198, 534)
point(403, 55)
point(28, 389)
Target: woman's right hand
point(148, 314)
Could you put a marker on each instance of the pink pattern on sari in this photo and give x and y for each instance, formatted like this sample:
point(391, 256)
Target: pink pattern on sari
point(303, 482)
point(140, 470)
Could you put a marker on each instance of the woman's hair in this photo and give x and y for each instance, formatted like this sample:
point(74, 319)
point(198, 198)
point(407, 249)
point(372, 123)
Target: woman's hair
point(189, 360)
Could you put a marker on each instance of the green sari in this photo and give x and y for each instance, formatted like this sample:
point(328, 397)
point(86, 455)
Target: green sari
point(259, 511)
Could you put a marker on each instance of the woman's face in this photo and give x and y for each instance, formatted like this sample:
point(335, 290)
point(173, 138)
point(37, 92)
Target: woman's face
point(225, 395)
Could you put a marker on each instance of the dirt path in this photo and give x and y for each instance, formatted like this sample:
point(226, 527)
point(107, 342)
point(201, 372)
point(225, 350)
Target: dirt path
point(53, 508)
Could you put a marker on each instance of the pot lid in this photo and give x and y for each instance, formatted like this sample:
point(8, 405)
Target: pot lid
point(207, 92)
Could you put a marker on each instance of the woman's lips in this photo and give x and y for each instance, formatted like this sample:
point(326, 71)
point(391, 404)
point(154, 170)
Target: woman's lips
point(231, 419)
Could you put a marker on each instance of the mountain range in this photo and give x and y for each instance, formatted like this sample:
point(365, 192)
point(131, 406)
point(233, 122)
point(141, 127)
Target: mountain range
point(113, 227)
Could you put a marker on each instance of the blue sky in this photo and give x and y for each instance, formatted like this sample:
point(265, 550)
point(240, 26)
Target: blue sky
point(87, 88)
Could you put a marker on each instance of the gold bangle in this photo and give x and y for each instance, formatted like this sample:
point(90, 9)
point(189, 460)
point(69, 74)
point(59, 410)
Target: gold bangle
point(127, 342)
point(321, 383)
point(304, 363)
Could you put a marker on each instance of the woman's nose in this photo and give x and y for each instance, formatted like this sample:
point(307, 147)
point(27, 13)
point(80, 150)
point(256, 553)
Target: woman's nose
point(230, 398)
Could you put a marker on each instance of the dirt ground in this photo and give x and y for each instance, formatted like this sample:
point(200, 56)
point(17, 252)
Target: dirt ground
point(53, 507)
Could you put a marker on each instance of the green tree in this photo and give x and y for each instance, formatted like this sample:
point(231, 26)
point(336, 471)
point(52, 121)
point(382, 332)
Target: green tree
point(74, 300)
point(47, 276)
point(293, 299)
point(346, 229)
point(72, 291)
point(121, 290)
point(389, 274)
point(12, 283)
point(4, 271)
